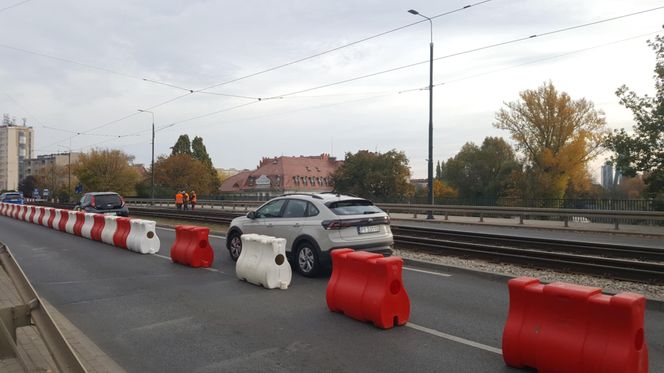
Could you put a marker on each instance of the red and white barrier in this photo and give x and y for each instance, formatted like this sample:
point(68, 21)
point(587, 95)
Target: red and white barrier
point(137, 235)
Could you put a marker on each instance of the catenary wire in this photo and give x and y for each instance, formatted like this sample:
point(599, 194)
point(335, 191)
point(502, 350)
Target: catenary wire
point(14, 5)
point(423, 62)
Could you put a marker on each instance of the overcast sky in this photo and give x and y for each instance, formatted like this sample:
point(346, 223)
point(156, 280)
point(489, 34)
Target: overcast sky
point(78, 67)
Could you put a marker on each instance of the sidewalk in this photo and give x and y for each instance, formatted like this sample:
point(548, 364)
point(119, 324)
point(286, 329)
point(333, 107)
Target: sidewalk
point(31, 344)
point(643, 230)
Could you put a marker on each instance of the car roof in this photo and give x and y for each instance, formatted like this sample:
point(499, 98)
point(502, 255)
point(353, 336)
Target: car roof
point(101, 193)
point(323, 197)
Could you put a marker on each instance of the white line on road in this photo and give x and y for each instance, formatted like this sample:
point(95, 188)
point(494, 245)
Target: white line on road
point(428, 272)
point(207, 269)
point(455, 338)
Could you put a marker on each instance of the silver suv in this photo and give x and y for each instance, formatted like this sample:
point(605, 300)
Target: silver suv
point(313, 225)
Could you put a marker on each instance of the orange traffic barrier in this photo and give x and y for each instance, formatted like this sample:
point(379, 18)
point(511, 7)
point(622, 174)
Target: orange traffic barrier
point(368, 287)
point(574, 329)
point(192, 247)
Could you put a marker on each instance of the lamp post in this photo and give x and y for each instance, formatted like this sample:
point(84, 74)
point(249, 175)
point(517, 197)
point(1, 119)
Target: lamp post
point(430, 160)
point(152, 164)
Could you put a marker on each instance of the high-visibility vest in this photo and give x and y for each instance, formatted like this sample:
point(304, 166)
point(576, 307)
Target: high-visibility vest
point(178, 198)
point(193, 198)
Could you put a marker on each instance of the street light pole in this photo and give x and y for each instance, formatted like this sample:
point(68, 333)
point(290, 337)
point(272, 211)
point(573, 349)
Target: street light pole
point(152, 164)
point(430, 160)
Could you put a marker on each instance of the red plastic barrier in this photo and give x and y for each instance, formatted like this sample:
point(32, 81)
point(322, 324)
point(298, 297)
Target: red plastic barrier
point(192, 247)
point(24, 211)
point(64, 216)
point(78, 225)
point(52, 217)
point(20, 210)
point(574, 329)
point(121, 232)
point(40, 214)
point(97, 227)
point(29, 217)
point(368, 287)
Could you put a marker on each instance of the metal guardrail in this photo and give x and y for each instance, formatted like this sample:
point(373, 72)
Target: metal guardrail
point(31, 313)
point(564, 215)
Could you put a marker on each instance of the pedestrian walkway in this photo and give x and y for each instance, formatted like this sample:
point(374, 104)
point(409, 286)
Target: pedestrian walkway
point(646, 230)
point(32, 346)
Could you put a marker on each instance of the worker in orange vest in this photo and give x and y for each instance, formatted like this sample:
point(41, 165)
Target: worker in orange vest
point(179, 198)
point(185, 197)
point(193, 200)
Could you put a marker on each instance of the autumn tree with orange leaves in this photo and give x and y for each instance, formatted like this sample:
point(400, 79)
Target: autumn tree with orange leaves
point(557, 137)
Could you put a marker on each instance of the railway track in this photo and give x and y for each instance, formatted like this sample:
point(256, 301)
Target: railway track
point(642, 264)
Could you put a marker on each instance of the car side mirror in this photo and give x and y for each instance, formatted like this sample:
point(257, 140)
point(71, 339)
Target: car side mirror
point(251, 215)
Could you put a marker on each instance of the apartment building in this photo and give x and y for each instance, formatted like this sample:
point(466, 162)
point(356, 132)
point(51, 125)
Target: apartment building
point(53, 166)
point(16, 145)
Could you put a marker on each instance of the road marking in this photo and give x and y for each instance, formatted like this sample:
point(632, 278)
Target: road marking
point(173, 230)
point(428, 272)
point(207, 269)
point(455, 338)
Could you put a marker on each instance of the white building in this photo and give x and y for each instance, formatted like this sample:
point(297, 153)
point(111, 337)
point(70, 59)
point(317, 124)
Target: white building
point(16, 145)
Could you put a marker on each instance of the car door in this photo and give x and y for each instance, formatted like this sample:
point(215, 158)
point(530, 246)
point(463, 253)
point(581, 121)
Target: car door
point(292, 220)
point(266, 216)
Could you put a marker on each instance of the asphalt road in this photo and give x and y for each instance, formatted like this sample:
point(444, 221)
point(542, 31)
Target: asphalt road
point(151, 315)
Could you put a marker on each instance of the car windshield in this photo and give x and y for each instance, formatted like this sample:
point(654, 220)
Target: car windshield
point(13, 196)
point(353, 207)
point(108, 200)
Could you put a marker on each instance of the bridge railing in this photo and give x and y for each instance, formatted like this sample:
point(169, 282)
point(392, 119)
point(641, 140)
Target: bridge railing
point(31, 313)
point(616, 217)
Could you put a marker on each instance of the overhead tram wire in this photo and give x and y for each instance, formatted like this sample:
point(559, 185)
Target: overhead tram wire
point(342, 46)
point(490, 46)
point(204, 90)
point(384, 93)
point(14, 5)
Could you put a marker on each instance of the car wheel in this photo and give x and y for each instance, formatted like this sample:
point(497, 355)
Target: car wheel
point(306, 260)
point(234, 245)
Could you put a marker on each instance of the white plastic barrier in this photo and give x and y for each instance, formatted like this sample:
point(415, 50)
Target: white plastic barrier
point(3, 208)
point(71, 220)
point(110, 225)
point(263, 262)
point(39, 211)
point(87, 225)
point(143, 237)
point(25, 214)
point(56, 219)
point(47, 215)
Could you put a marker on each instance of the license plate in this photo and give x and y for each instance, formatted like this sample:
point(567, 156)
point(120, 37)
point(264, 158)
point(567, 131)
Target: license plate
point(368, 229)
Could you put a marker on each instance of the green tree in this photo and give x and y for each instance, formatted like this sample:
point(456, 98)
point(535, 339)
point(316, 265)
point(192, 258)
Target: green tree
point(374, 175)
point(183, 172)
point(557, 136)
point(107, 170)
point(643, 151)
point(27, 185)
point(182, 146)
point(200, 153)
point(481, 172)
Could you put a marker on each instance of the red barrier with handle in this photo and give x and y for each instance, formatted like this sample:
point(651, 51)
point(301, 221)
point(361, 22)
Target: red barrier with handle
point(121, 232)
point(192, 246)
point(99, 221)
point(574, 329)
point(368, 287)
point(64, 216)
point(78, 225)
point(51, 218)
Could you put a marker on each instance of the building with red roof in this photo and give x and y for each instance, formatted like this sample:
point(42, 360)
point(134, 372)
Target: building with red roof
point(285, 175)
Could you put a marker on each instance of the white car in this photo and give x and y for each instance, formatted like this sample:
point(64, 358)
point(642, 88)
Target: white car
point(313, 225)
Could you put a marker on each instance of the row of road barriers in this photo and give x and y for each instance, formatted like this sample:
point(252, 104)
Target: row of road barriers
point(136, 235)
point(557, 327)
point(554, 328)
